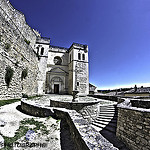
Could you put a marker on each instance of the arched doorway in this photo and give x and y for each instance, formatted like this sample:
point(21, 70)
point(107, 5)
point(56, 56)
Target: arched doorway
point(56, 85)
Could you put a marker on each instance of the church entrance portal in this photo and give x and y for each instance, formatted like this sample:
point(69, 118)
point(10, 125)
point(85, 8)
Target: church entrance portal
point(56, 88)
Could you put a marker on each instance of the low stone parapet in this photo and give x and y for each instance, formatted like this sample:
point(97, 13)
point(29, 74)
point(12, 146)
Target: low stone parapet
point(141, 103)
point(133, 126)
point(84, 136)
point(105, 97)
point(88, 110)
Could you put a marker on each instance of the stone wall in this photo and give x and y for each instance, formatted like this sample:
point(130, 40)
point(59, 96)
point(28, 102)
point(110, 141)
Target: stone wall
point(17, 40)
point(106, 97)
point(84, 136)
point(88, 110)
point(133, 126)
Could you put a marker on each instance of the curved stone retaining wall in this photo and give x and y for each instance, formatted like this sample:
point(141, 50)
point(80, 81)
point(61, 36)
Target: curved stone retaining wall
point(106, 97)
point(71, 105)
point(89, 110)
point(35, 109)
point(133, 126)
point(84, 136)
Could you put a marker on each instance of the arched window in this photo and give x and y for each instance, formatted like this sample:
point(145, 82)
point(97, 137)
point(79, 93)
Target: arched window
point(57, 60)
point(79, 56)
point(83, 56)
point(42, 51)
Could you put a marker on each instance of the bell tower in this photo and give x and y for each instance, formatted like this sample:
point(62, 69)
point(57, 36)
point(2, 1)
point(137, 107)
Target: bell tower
point(78, 69)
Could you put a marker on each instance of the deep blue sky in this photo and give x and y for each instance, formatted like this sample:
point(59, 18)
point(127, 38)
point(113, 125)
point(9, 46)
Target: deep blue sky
point(116, 31)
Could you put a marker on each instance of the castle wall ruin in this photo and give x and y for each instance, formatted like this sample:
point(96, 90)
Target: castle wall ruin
point(17, 41)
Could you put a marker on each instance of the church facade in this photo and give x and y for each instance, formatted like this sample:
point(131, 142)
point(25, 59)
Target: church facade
point(62, 70)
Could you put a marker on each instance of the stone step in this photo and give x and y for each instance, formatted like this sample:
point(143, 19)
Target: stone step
point(107, 107)
point(111, 129)
point(107, 110)
point(110, 106)
point(101, 122)
point(107, 113)
point(97, 127)
point(104, 119)
point(108, 116)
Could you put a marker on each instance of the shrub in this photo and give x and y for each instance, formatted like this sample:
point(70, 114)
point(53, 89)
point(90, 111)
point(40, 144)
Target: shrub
point(8, 75)
point(24, 74)
point(28, 42)
point(7, 46)
point(24, 95)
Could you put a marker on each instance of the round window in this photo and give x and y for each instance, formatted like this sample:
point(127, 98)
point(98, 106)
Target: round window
point(57, 60)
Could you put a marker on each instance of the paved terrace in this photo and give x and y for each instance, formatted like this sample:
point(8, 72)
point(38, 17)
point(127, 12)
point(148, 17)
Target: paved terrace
point(45, 100)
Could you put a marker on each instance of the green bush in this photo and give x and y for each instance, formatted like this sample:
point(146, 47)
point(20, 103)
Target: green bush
point(28, 42)
point(9, 101)
point(7, 46)
point(24, 74)
point(8, 75)
point(24, 95)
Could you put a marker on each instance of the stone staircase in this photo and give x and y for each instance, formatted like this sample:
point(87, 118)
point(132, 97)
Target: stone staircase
point(106, 124)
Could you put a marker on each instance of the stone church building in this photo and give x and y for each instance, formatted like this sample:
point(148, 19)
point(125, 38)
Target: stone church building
point(62, 70)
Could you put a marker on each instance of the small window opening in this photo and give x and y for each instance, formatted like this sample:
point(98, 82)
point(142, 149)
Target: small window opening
point(79, 56)
point(83, 56)
point(37, 50)
point(42, 51)
point(57, 60)
point(77, 83)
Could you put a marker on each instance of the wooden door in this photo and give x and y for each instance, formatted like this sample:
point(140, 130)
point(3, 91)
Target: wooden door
point(56, 88)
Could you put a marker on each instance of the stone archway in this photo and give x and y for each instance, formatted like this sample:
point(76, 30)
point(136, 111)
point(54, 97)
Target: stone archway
point(56, 85)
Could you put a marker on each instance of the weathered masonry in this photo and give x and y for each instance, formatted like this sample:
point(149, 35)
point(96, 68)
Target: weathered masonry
point(18, 61)
point(62, 70)
point(30, 65)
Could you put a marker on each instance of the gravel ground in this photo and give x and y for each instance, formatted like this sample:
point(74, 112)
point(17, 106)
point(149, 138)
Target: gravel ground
point(12, 117)
point(58, 136)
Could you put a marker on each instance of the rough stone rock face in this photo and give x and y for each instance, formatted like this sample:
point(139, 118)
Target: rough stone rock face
point(133, 126)
point(17, 41)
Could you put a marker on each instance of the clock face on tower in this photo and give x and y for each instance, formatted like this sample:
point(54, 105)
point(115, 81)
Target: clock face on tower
point(57, 60)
